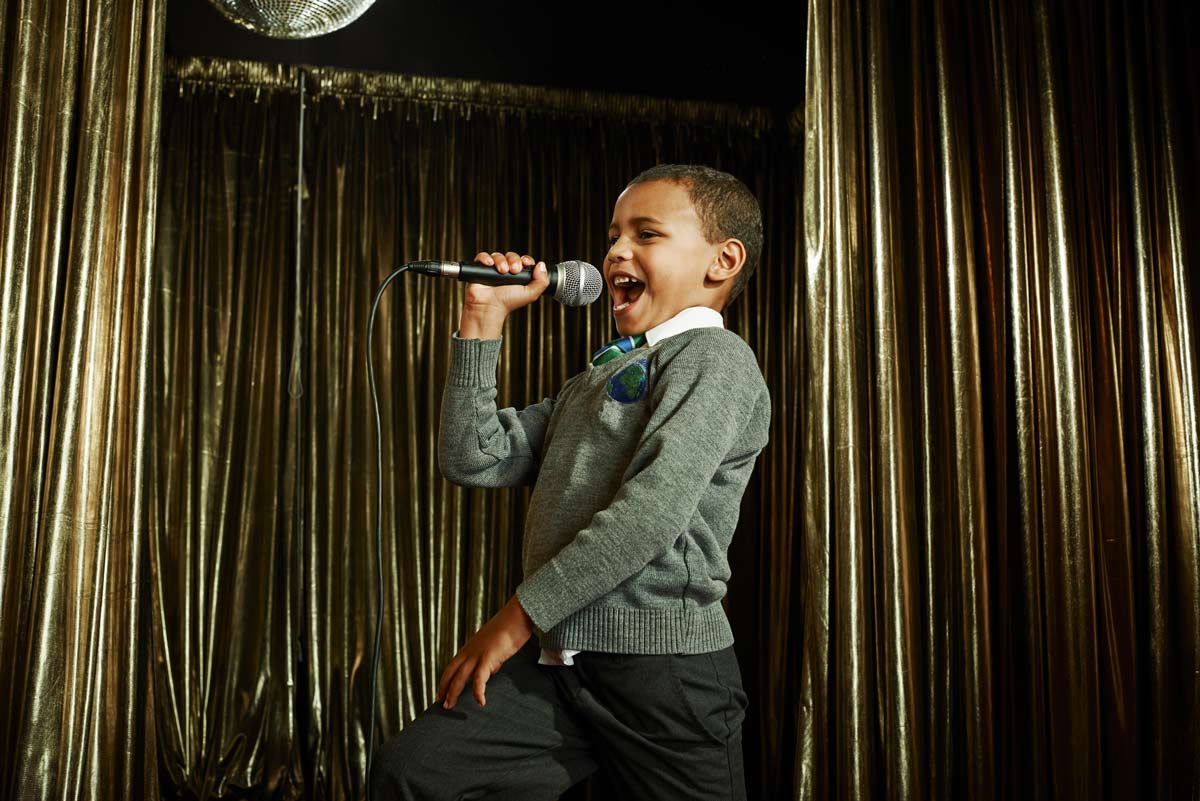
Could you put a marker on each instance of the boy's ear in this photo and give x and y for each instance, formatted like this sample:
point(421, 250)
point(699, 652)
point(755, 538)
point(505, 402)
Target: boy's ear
point(728, 262)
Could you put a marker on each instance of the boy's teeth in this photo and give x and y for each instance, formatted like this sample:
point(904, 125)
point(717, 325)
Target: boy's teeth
point(623, 305)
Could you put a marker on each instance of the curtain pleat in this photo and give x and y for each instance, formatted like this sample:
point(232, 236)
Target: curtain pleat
point(225, 448)
point(79, 104)
point(1015, 368)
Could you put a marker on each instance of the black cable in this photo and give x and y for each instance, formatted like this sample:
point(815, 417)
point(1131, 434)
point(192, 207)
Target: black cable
point(378, 523)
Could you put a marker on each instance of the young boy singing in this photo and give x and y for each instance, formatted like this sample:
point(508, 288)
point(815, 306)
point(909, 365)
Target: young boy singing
point(638, 468)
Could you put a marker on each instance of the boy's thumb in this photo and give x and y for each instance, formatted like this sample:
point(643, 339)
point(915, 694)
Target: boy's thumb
point(541, 278)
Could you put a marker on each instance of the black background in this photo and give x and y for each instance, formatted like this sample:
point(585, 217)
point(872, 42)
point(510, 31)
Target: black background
point(734, 52)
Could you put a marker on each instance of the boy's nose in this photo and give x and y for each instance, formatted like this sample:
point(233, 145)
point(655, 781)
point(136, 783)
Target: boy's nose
point(619, 250)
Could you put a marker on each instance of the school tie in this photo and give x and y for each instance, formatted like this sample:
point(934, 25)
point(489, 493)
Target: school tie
point(615, 348)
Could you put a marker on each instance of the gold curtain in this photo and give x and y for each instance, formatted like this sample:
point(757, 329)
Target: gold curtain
point(265, 448)
point(80, 86)
point(967, 563)
point(1000, 462)
point(969, 554)
point(224, 447)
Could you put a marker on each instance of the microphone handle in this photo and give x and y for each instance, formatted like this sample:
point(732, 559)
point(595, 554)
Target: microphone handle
point(473, 272)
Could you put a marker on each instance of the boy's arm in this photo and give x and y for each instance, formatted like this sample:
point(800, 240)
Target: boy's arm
point(478, 445)
point(698, 417)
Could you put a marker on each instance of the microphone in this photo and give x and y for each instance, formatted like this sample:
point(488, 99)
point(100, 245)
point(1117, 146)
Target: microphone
point(573, 283)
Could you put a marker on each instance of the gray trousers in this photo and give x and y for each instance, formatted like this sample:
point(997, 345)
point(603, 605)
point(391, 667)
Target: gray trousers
point(659, 727)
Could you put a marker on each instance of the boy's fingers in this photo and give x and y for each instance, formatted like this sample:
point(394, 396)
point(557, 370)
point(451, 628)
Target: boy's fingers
point(541, 279)
point(444, 685)
point(481, 678)
point(451, 697)
point(444, 680)
point(456, 685)
point(505, 262)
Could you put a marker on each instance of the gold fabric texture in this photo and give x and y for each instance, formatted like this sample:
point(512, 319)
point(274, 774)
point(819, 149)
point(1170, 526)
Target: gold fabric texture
point(999, 552)
point(966, 565)
point(265, 447)
point(80, 86)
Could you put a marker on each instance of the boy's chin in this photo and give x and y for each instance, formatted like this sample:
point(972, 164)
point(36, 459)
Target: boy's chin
point(626, 329)
point(627, 326)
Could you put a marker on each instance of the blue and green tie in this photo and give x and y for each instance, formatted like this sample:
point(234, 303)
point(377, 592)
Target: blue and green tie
point(615, 348)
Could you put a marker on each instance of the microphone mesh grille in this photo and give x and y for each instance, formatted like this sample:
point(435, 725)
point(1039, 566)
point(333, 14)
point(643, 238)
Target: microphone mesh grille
point(582, 283)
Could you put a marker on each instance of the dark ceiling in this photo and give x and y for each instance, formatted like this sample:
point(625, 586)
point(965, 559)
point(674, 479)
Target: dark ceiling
point(729, 52)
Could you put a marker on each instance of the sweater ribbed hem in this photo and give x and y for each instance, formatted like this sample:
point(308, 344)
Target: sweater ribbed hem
point(624, 630)
point(473, 361)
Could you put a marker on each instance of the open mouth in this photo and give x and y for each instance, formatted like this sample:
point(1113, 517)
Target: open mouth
point(626, 290)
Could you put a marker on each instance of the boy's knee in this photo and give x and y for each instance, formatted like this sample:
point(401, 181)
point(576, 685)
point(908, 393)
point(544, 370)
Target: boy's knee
point(395, 771)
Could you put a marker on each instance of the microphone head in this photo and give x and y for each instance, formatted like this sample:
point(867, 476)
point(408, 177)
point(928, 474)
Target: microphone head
point(581, 283)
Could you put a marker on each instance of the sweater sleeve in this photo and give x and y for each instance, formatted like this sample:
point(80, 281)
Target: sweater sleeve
point(478, 445)
point(715, 410)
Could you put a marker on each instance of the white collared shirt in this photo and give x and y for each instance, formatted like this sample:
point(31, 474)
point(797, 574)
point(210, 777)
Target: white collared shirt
point(689, 318)
point(685, 320)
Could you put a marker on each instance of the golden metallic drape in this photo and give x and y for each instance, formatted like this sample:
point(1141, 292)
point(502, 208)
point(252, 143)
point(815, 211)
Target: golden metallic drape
point(80, 87)
point(224, 449)
point(967, 563)
point(266, 608)
point(1000, 462)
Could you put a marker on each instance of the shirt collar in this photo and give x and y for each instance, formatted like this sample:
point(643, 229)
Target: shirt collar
point(691, 317)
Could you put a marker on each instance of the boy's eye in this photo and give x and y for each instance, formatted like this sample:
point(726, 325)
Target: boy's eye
point(613, 239)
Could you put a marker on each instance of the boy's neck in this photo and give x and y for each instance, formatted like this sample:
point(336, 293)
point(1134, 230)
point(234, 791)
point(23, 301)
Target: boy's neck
point(683, 320)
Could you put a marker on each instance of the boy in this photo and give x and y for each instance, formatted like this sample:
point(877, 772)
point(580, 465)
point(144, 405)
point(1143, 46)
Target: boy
point(638, 466)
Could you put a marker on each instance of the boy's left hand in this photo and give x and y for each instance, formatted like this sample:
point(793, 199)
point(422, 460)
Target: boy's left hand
point(484, 653)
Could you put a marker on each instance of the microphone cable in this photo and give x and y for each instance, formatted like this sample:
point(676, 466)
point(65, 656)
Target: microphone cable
point(579, 283)
point(378, 523)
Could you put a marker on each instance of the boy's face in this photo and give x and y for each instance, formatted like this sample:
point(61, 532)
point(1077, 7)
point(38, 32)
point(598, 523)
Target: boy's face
point(655, 238)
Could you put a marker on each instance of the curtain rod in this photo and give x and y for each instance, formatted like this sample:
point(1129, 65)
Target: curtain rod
point(385, 89)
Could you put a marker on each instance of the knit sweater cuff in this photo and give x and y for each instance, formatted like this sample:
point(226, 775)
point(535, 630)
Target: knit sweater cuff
point(473, 361)
point(537, 597)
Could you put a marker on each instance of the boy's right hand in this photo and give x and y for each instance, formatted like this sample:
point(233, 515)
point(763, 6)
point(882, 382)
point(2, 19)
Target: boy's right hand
point(502, 300)
point(486, 307)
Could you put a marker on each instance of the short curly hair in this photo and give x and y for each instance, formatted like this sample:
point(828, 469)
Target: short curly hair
point(726, 208)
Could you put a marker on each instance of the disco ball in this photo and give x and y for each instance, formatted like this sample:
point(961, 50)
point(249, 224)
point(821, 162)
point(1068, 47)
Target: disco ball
point(292, 19)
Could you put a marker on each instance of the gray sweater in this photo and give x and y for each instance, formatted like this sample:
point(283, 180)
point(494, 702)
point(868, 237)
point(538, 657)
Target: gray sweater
point(638, 467)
